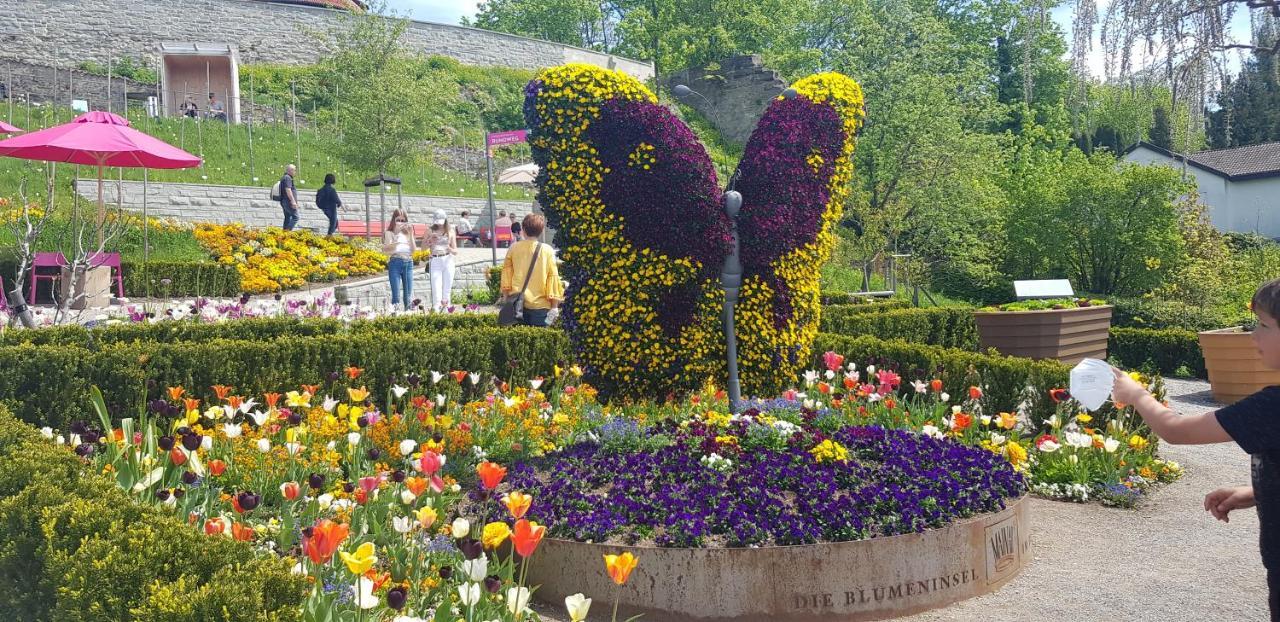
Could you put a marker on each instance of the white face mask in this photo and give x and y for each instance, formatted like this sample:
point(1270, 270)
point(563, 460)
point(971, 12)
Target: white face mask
point(1091, 383)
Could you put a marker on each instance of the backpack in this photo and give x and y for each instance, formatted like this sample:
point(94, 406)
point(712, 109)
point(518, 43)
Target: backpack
point(275, 192)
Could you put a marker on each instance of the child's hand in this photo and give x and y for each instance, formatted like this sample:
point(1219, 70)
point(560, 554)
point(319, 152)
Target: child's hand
point(1126, 390)
point(1220, 502)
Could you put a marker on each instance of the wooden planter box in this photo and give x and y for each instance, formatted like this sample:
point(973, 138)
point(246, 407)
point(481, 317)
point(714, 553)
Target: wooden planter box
point(1067, 335)
point(1235, 369)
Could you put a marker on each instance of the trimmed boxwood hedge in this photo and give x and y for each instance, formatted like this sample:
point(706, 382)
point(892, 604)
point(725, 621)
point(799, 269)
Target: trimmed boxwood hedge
point(844, 299)
point(251, 328)
point(74, 547)
point(186, 278)
point(49, 384)
point(1165, 350)
point(950, 327)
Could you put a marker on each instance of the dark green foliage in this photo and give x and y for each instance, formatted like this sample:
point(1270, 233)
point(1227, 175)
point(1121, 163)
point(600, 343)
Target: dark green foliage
point(950, 327)
point(185, 278)
point(1154, 313)
point(1170, 351)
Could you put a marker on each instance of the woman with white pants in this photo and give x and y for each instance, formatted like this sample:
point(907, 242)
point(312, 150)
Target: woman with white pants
point(443, 243)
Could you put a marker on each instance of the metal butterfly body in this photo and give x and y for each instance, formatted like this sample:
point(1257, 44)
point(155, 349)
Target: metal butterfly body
point(643, 233)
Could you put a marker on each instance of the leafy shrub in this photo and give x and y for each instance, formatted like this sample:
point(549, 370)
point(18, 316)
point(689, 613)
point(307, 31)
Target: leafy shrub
point(830, 298)
point(74, 547)
point(1168, 351)
point(949, 327)
point(1154, 313)
point(185, 278)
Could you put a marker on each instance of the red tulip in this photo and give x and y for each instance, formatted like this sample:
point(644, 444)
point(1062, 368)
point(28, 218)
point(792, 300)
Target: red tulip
point(526, 536)
point(290, 490)
point(491, 474)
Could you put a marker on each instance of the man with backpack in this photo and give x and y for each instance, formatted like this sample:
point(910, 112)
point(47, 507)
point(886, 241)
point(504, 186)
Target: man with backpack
point(287, 194)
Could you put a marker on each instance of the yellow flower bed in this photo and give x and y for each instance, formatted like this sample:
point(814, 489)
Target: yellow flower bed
point(273, 259)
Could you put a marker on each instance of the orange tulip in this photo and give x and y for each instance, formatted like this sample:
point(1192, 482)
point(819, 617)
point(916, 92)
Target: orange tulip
point(526, 536)
point(215, 526)
point(458, 375)
point(175, 393)
point(234, 402)
point(326, 537)
point(353, 372)
point(192, 404)
point(962, 421)
point(272, 399)
point(518, 504)
point(290, 490)
point(849, 383)
point(936, 385)
point(490, 474)
point(313, 389)
point(216, 467)
point(620, 566)
point(177, 457)
point(241, 533)
point(416, 485)
point(221, 390)
point(890, 403)
point(975, 393)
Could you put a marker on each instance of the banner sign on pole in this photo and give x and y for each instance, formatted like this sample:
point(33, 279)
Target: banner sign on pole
point(506, 138)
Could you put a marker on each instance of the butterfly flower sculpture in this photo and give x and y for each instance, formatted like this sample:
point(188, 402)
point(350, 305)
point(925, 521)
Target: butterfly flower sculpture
point(643, 233)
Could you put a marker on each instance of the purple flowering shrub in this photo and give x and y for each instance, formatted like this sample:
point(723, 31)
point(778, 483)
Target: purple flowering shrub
point(754, 483)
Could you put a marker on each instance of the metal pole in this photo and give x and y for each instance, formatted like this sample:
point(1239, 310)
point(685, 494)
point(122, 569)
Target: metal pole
point(8, 93)
point(226, 105)
point(182, 117)
point(146, 224)
point(368, 231)
point(109, 59)
point(252, 174)
point(297, 146)
point(731, 282)
point(493, 218)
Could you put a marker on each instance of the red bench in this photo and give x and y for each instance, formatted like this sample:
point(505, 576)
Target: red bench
point(356, 228)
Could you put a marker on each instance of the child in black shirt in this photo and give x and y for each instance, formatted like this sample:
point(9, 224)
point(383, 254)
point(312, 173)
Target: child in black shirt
point(1253, 423)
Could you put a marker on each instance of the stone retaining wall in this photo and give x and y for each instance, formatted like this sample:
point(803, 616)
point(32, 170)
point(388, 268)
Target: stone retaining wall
point(736, 94)
point(63, 33)
point(254, 207)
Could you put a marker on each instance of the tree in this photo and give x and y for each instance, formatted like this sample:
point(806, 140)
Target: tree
point(1249, 106)
point(390, 101)
point(1160, 134)
point(1113, 228)
point(583, 23)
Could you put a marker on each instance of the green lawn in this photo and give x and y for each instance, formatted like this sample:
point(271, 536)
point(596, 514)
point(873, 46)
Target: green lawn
point(166, 245)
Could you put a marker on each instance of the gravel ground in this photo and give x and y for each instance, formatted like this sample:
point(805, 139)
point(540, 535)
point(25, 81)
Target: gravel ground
point(1166, 561)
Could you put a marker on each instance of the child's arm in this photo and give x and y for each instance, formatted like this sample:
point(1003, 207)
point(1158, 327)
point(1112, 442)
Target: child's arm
point(1220, 502)
point(1168, 425)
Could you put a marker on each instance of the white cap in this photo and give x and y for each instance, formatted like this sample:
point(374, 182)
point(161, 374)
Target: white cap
point(440, 217)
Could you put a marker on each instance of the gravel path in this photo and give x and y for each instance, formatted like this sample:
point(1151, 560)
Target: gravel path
point(1166, 561)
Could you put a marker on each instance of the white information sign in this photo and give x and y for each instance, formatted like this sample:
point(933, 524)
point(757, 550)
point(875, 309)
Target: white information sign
point(1049, 288)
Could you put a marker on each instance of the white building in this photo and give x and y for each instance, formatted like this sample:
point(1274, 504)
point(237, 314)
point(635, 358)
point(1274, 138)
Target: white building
point(1240, 186)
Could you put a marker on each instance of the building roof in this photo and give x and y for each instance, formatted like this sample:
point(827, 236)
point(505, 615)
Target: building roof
point(346, 5)
point(1235, 164)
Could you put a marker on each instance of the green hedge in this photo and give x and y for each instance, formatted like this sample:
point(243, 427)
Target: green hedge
point(845, 299)
point(49, 384)
point(1168, 350)
point(950, 327)
point(250, 328)
point(493, 279)
point(1151, 313)
point(1008, 382)
point(185, 278)
point(74, 547)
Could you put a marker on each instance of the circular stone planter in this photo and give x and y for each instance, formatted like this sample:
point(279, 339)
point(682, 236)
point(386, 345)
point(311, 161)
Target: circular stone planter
point(862, 580)
point(1067, 335)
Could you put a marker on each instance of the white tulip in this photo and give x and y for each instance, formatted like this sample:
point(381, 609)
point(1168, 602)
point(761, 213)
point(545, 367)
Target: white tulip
point(399, 391)
point(353, 438)
point(1111, 445)
point(945, 397)
point(517, 600)
point(364, 597)
point(264, 445)
point(402, 524)
point(329, 404)
point(407, 446)
point(324, 501)
point(47, 432)
point(206, 442)
point(469, 593)
point(536, 383)
point(436, 376)
point(407, 497)
point(1048, 447)
point(460, 528)
point(476, 568)
point(577, 605)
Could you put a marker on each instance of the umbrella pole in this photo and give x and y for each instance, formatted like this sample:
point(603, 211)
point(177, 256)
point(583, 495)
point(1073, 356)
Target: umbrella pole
point(146, 224)
point(102, 210)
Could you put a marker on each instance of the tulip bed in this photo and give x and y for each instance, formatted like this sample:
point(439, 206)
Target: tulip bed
point(400, 505)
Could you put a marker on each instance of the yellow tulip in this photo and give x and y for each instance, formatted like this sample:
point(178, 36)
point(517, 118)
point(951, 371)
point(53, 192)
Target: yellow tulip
point(362, 560)
point(426, 516)
point(358, 395)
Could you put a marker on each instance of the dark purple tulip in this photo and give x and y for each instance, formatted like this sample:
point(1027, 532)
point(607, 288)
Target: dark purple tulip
point(295, 418)
point(179, 493)
point(363, 421)
point(374, 453)
point(316, 481)
point(492, 584)
point(414, 380)
point(248, 500)
point(348, 487)
point(183, 431)
point(191, 441)
point(307, 532)
point(396, 597)
point(333, 376)
point(162, 495)
point(471, 548)
point(397, 476)
point(189, 477)
point(84, 450)
point(165, 443)
point(446, 572)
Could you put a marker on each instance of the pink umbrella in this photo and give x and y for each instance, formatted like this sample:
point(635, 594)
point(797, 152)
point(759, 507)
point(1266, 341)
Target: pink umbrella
point(5, 128)
point(98, 139)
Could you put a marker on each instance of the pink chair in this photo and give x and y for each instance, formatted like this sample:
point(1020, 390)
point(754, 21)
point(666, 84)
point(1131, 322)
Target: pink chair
point(45, 260)
point(505, 236)
point(4, 302)
point(111, 260)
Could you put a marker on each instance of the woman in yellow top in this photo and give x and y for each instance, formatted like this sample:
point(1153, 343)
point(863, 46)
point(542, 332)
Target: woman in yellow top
point(545, 291)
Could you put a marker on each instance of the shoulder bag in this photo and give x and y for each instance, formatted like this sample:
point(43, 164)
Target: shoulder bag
point(511, 308)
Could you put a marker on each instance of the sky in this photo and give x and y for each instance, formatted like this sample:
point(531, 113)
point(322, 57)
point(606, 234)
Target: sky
point(451, 11)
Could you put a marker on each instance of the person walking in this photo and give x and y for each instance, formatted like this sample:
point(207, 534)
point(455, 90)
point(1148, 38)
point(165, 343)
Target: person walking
point(544, 290)
point(289, 197)
point(515, 228)
point(443, 243)
point(398, 243)
point(328, 201)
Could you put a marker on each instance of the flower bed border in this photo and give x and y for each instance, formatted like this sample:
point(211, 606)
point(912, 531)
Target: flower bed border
point(803, 582)
point(1234, 367)
point(1067, 335)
